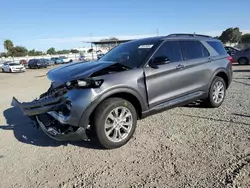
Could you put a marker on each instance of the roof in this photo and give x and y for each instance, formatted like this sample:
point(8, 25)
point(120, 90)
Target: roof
point(109, 41)
point(171, 36)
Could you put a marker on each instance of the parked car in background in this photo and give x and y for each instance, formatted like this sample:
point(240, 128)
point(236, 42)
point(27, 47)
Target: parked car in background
point(132, 81)
point(37, 63)
point(13, 67)
point(66, 59)
point(57, 60)
point(82, 58)
point(49, 62)
point(240, 56)
point(100, 55)
point(23, 62)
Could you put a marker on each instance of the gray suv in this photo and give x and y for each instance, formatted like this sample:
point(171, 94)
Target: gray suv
point(132, 81)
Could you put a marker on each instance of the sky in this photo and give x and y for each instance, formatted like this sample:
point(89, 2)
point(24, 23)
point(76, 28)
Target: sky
point(64, 24)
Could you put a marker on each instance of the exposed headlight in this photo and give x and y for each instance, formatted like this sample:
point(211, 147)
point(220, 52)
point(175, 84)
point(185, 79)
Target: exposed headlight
point(81, 83)
point(85, 83)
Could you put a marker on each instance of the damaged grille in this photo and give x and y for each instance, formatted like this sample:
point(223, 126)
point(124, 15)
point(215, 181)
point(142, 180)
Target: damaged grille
point(54, 92)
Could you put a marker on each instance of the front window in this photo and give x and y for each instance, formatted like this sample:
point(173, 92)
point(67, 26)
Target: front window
point(131, 54)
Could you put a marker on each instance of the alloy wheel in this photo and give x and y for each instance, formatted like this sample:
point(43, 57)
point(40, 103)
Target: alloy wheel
point(218, 92)
point(118, 124)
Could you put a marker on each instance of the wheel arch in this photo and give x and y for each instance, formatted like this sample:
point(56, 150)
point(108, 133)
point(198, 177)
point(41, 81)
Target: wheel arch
point(126, 93)
point(223, 74)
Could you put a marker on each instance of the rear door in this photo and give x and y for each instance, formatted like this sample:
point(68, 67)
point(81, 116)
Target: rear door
point(196, 63)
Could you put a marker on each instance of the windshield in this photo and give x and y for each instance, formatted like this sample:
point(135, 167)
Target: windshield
point(14, 64)
point(130, 54)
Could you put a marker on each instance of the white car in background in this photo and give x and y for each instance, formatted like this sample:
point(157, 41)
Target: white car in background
point(12, 67)
point(65, 59)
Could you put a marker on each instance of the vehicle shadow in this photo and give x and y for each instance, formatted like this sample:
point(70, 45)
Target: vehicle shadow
point(197, 104)
point(25, 132)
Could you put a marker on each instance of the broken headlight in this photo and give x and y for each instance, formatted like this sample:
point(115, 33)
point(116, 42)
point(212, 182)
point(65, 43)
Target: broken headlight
point(84, 83)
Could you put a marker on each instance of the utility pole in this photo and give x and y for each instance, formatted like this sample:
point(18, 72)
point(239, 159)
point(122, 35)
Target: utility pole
point(91, 44)
point(157, 32)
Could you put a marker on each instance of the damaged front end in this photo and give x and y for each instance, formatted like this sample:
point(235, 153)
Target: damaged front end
point(53, 113)
point(61, 112)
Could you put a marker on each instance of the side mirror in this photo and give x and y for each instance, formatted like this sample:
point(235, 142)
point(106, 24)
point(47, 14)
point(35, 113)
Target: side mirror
point(158, 61)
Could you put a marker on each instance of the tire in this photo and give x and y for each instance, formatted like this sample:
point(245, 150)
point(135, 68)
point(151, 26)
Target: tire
point(243, 61)
point(211, 100)
point(101, 117)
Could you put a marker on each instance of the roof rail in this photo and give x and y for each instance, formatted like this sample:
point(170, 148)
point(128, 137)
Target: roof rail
point(188, 34)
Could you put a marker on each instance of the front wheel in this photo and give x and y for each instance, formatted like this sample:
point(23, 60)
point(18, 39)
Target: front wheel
point(217, 93)
point(115, 122)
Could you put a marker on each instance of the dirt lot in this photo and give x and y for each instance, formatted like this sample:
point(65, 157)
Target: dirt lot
point(182, 147)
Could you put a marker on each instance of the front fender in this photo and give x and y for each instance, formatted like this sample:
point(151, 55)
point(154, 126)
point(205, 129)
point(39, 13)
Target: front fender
point(86, 114)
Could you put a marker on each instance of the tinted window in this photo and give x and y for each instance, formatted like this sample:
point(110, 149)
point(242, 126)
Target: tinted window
point(170, 50)
point(218, 47)
point(194, 49)
point(204, 51)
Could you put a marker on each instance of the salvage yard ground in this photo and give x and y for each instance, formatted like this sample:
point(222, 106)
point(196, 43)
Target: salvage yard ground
point(183, 147)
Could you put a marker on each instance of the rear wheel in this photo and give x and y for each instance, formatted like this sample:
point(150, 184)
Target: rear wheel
point(243, 61)
point(217, 93)
point(115, 122)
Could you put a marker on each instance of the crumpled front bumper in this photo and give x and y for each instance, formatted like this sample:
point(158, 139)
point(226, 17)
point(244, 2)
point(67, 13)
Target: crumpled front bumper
point(44, 113)
point(39, 106)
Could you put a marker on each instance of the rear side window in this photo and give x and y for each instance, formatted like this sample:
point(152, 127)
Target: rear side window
point(193, 49)
point(218, 47)
point(170, 50)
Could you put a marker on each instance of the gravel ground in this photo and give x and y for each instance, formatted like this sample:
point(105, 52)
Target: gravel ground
point(182, 147)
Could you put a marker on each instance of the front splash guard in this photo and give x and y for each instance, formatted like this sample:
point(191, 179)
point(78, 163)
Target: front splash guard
point(41, 106)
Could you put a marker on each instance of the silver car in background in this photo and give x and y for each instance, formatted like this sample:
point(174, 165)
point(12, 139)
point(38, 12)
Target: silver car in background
point(240, 56)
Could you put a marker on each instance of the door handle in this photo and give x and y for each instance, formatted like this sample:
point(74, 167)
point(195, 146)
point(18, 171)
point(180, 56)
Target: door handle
point(180, 67)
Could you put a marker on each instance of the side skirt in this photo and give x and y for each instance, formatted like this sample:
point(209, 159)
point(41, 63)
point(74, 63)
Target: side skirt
point(175, 103)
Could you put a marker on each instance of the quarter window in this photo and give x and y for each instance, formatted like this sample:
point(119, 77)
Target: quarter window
point(218, 47)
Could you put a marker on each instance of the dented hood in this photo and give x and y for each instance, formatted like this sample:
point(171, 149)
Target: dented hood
point(78, 70)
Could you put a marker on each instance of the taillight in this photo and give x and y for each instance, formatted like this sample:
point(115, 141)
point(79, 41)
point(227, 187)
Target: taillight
point(230, 59)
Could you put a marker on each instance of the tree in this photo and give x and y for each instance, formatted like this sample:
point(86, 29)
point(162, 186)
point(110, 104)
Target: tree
point(51, 51)
point(245, 38)
point(63, 52)
point(111, 45)
point(18, 51)
point(8, 44)
point(74, 51)
point(231, 35)
point(35, 53)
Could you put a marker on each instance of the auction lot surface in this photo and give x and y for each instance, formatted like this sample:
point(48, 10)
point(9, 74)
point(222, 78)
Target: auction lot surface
point(182, 147)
